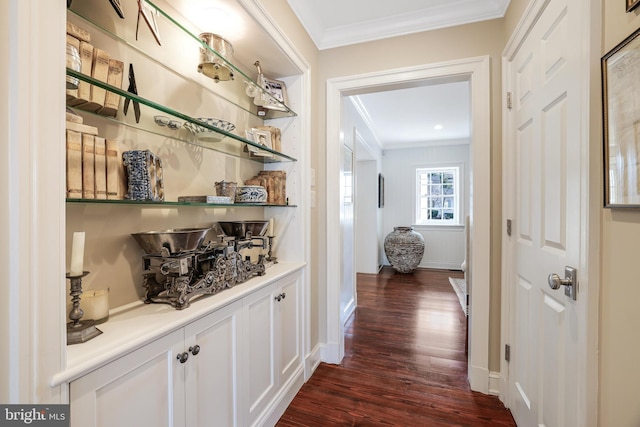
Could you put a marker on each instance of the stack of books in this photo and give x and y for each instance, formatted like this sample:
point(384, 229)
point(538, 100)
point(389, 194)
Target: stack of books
point(98, 64)
point(94, 165)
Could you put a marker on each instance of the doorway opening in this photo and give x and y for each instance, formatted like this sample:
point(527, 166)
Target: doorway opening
point(477, 71)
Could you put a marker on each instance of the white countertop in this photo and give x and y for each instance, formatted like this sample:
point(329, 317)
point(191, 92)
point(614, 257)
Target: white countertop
point(132, 326)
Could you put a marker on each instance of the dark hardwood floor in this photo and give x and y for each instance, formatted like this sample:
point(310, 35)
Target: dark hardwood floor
point(404, 365)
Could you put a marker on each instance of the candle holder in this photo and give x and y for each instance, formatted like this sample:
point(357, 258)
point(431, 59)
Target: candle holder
point(79, 331)
point(269, 257)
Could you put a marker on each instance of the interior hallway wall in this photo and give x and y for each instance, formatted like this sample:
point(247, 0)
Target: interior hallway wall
point(619, 290)
point(448, 44)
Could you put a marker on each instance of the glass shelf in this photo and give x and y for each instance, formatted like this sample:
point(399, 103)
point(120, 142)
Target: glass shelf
point(175, 204)
point(230, 143)
point(174, 33)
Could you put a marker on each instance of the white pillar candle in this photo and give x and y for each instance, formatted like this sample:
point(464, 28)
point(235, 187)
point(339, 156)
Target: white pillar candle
point(95, 305)
point(77, 254)
point(270, 228)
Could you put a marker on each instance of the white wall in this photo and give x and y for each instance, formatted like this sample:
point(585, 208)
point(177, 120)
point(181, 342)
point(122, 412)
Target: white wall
point(368, 218)
point(444, 246)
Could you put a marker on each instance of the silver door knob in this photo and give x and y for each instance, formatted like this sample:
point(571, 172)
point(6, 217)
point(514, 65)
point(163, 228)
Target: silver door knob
point(569, 282)
point(556, 281)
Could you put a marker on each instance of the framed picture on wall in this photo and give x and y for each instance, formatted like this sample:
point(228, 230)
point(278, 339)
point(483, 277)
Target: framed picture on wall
point(632, 4)
point(621, 120)
point(380, 190)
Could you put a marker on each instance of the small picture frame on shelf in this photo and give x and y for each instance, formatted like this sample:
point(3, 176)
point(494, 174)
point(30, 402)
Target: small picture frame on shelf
point(261, 137)
point(278, 90)
point(632, 4)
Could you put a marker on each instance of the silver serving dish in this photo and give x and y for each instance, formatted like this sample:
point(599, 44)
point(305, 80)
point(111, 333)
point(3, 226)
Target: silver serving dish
point(242, 228)
point(174, 240)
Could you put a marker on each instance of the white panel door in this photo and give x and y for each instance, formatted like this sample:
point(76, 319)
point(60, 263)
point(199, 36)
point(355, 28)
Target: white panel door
point(212, 384)
point(260, 351)
point(289, 333)
point(545, 147)
point(143, 388)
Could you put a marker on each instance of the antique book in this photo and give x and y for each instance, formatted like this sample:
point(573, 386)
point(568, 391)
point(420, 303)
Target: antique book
point(74, 118)
point(78, 32)
point(99, 71)
point(82, 128)
point(74, 164)
point(100, 179)
point(72, 41)
point(115, 170)
point(276, 185)
point(114, 78)
point(206, 199)
point(83, 93)
point(88, 166)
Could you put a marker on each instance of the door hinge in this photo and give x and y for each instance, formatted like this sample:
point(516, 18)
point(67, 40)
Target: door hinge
point(509, 100)
point(507, 352)
point(508, 227)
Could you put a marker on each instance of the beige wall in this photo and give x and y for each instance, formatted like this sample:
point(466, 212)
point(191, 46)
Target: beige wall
point(513, 15)
point(485, 38)
point(620, 289)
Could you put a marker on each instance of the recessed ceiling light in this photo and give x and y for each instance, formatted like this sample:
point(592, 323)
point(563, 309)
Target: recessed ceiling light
point(438, 127)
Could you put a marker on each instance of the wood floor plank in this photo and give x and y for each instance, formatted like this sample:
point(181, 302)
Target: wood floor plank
point(405, 362)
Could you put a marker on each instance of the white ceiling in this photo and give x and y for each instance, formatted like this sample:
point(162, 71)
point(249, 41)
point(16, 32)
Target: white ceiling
point(409, 117)
point(403, 117)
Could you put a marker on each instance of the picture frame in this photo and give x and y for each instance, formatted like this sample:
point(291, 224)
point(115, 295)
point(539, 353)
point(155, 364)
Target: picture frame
point(278, 90)
point(148, 14)
point(632, 4)
point(380, 190)
point(260, 137)
point(116, 6)
point(621, 123)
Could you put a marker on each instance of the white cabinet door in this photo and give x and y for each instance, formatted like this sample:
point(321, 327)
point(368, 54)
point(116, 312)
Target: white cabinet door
point(141, 389)
point(211, 373)
point(260, 351)
point(273, 344)
point(288, 315)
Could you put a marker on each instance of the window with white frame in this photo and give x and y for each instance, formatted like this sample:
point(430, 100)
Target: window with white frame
point(438, 195)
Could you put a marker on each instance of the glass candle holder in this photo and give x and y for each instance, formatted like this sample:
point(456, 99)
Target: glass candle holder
point(95, 304)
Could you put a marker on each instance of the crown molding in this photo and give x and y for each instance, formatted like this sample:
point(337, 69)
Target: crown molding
point(430, 18)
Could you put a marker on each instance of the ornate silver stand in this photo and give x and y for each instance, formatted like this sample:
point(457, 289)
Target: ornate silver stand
point(79, 331)
point(269, 257)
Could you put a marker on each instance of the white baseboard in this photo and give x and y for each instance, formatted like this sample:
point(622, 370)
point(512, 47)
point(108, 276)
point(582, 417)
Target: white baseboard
point(441, 265)
point(495, 384)
point(349, 310)
point(273, 412)
point(311, 362)
point(330, 352)
point(479, 379)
